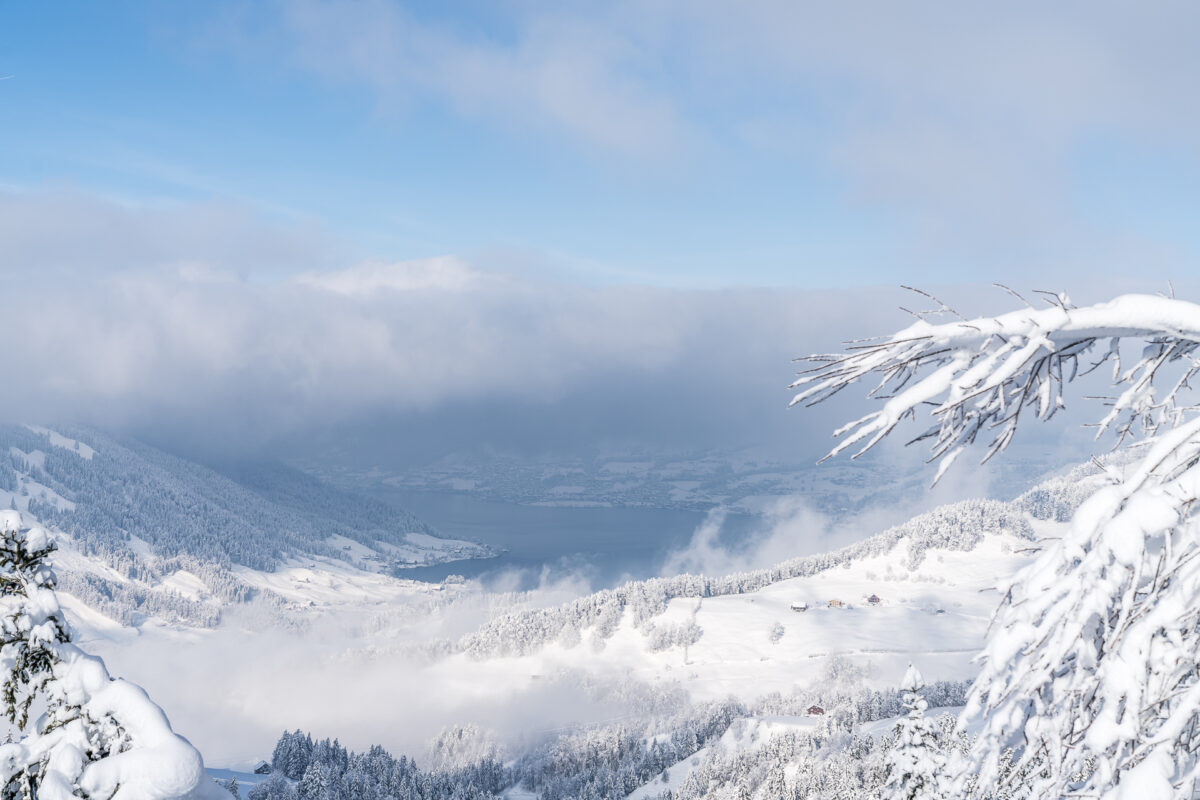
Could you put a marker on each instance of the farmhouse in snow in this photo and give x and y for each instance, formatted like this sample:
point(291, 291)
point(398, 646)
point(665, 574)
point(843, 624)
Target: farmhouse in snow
point(800, 605)
point(836, 604)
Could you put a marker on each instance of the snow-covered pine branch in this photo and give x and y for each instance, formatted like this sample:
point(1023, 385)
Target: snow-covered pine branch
point(1090, 666)
point(97, 737)
point(983, 374)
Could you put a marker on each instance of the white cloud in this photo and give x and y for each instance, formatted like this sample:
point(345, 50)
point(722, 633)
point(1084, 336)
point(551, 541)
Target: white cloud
point(558, 72)
point(446, 273)
point(964, 121)
point(124, 315)
point(62, 233)
point(790, 527)
point(158, 325)
point(339, 345)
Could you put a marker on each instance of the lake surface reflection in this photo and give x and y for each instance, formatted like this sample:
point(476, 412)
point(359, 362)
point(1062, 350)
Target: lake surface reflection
point(604, 545)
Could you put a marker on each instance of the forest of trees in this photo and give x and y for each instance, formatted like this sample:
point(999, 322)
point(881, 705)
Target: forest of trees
point(591, 764)
point(132, 603)
point(607, 762)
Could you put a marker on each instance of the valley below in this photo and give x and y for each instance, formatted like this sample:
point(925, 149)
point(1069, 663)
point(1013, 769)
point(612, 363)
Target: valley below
point(579, 622)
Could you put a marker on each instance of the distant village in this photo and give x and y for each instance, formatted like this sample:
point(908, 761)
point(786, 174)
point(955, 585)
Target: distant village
point(802, 605)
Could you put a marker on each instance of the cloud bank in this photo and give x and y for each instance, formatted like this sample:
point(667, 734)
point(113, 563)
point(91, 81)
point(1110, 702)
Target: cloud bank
point(169, 317)
point(179, 323)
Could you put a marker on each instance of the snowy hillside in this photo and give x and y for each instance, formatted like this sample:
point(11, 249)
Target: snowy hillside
point(936, 579)
point(146, 534)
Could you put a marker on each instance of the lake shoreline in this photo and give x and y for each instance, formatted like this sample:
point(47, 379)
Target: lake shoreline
point(606, 545)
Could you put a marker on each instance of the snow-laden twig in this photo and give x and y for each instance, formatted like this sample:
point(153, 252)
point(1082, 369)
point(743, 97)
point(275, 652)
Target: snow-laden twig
point(979, 376)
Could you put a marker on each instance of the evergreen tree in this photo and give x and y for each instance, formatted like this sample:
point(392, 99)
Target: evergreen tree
point(98, 736)
point(315, 783)
point(32, 623)
point(917, 769)
point(274, 788)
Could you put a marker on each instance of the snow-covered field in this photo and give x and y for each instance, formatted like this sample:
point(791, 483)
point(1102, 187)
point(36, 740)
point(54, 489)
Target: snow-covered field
point(936, 616)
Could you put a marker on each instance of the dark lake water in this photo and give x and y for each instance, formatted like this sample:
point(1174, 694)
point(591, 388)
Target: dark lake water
point(605, 545)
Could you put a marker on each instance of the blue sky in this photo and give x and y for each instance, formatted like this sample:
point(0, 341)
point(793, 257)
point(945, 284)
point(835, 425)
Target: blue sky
point(674, 144)
point(615, 221)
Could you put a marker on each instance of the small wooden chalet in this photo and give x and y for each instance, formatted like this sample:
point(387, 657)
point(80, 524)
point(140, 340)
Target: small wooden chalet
point(800, 605)
point(816, 711)
point(874, 600)
point(836, 604)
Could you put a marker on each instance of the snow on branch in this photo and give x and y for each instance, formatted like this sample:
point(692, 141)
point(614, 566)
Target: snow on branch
point(1091, 657)
point(979, 376)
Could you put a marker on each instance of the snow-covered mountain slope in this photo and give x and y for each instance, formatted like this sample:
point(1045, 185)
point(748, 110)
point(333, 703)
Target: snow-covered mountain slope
point(147, 534)
point(105, 490)
point(957, 527)
point(937, 614)
point(753, 643)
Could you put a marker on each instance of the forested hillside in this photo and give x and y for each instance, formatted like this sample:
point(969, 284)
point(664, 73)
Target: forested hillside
point(726, 747)
point(140, 515)
point(359, 517)
point(105, 491)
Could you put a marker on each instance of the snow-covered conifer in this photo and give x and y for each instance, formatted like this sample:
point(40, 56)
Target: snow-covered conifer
point(275, 787)
point(32, 624)
point(1090, 666)
point(916, 766)
point(315, 783)
point(97, 736)
point(292, 754)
